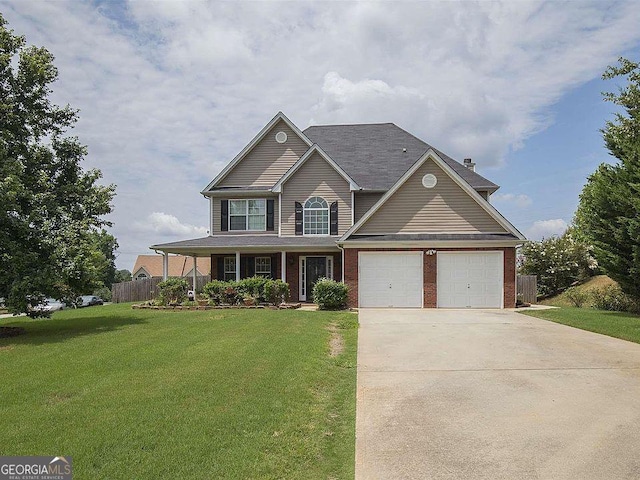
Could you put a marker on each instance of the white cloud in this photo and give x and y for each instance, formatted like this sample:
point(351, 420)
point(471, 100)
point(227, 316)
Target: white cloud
point(165, 224)
point(546, 228)
point(170, 91)
point(520, 201)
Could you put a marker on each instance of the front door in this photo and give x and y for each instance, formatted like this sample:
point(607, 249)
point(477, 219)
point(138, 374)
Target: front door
point(316, 268)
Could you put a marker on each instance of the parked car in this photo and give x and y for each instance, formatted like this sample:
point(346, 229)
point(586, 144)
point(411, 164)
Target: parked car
point(88, 301)
point(48, 305)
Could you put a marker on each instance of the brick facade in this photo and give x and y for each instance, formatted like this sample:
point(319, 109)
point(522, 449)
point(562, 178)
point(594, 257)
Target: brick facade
point(429, 281)
point(430, 274)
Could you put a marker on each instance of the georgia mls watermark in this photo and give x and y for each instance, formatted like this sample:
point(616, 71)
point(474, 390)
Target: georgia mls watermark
point(35, 468)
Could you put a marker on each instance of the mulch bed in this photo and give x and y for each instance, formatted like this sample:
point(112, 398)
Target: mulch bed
point(179, 308)
point(6, 332)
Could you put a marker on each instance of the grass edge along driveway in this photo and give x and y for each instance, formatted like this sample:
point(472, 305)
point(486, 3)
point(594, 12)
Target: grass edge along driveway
point(211, 394)
point(625, 326)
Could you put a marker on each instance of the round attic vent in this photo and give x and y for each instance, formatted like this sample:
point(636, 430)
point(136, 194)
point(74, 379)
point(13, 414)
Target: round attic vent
point(429, 180)
point(281, 137)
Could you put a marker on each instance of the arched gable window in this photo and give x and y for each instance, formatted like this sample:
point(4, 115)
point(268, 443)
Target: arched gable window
point(316, 216)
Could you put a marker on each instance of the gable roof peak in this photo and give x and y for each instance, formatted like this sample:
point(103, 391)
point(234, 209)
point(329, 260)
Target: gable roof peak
point(315, 148)
point(434, 155)
point(261, 134)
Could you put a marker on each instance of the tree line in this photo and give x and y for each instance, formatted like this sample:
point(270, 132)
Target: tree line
point(605, 232)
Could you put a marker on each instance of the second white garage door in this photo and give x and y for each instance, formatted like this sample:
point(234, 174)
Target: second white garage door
point(470, 279)
point(387, 279)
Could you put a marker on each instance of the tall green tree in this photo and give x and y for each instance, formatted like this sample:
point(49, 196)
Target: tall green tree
point(106, 244)
point(51, 210)
point(123, 275)
point(608, 214)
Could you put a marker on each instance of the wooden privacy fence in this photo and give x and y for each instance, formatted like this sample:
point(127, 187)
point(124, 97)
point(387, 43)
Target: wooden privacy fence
point(146, 289)
point(527, 288)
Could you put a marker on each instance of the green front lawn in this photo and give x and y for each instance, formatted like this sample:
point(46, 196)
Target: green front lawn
point(615, 324)
point(208, 394)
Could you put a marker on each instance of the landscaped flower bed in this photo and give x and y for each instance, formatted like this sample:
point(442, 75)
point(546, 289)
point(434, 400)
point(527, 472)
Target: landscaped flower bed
point(282, 306)
point(255, 292)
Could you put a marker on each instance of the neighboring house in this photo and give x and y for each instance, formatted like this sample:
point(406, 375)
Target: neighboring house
point(148, 266)
point(400, 222)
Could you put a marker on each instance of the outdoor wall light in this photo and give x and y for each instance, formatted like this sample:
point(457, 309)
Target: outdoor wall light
point(430, 252)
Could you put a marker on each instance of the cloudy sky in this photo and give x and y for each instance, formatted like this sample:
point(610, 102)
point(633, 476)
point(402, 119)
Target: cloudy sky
point(170, 91)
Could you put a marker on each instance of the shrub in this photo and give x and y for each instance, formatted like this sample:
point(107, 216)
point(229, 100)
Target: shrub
point(231, 295)
point(276, 291)
point(329, 294)
point(219, 292)
point(576, 296)
point(558, 262)
point(104, 293)
point(611, 297)
point(252, 287)
point(214, 291)
point(172, 291)
point(259, 288)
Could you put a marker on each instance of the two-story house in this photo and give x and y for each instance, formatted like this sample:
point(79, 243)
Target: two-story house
point(400, 222)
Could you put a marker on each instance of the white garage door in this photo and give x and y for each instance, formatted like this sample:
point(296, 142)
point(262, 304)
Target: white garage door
point(387, 279)
point(470, 279)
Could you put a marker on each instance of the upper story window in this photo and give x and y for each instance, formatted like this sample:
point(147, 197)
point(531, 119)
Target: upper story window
point(316, 216)
point(248, 214)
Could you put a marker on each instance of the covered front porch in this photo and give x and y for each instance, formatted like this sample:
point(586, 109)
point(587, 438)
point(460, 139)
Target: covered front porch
point(299, 261)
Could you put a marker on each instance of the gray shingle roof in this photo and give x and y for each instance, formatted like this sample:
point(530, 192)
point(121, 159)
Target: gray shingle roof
point(272, 242)
point(231, 241)
point(258, 188)
point(416, 237)
point(372, 154)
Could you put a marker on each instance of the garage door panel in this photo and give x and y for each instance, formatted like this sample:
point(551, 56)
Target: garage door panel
point(390, 279)
point(470, 279)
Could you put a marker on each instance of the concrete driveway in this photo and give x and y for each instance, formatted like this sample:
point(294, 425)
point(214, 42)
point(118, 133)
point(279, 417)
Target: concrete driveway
point(460, 394)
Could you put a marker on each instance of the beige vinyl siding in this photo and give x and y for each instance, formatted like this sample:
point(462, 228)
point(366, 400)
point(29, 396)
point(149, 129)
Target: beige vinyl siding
point(363, 202)
point(446, 208)
point(315, 178)
point(268, 160)
point(216, 217)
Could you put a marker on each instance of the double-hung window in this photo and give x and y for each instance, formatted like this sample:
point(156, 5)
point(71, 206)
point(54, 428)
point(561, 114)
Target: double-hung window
point(263, 266)
point(248, 215)
point(229, 268)
point(316, 216)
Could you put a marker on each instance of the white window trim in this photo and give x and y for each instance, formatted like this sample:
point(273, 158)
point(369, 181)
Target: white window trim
point(255, 270)
point(224, 267)
point(246, 215)
point(304, 223)
point(302, 276)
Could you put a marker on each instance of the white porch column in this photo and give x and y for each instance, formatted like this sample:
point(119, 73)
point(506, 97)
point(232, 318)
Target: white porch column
point(283, 266)
point(237, 266)
point(195, 264)
point(165, 265)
